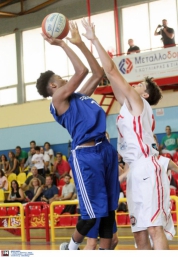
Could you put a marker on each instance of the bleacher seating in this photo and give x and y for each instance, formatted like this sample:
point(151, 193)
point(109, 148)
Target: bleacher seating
point(65, 220)
point(21, 178)
point(11, 211)
point(2, 198)
point(11, 177)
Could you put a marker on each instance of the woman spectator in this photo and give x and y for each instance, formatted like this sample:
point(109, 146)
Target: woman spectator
point(35, 190)
point(3, 181)
point(16, 195)
point(4, 164)
point(13, 164)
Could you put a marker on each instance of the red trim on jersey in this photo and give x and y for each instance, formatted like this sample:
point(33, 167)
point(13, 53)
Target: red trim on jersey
point(118, 117)
point(148, 149)
point(157, 182)
point(138, 137)
point(161, 187)
point(153, 123)
point(119, 132)
point(140, 127)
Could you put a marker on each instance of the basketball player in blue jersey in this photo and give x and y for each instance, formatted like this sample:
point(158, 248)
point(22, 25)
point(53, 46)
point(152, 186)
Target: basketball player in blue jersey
point(93, 160)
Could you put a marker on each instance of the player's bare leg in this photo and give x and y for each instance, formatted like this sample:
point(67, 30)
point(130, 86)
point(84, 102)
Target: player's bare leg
point(142, 240)
point(158, 237)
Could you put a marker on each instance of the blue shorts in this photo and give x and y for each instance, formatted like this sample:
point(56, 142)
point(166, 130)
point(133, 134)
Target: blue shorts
point(94, 231)
point(95, 172)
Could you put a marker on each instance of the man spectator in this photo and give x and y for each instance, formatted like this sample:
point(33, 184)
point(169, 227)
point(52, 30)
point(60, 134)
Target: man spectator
point(29, 162)
point(37, 160)
point(20, 155)
point(50, 153)
point(133, 48)
point(46, 160)
point(68, 193)
point(34, 175)
point(169, 143)
point(61, 167)
point(167, 34)
point(50, 192)
point(32, 144)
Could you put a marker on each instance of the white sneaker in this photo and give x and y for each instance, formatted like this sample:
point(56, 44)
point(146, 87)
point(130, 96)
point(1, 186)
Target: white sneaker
point(64, 246)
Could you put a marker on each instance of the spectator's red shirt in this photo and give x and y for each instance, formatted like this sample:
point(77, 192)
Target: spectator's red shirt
point(63, 167)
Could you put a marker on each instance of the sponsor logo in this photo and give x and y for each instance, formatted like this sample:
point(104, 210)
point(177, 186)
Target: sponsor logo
point(125, 66)
point(133, 220)
point(4, 253)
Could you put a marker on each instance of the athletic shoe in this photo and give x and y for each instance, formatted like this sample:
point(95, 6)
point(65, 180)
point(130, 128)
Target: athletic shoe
point(64, 246)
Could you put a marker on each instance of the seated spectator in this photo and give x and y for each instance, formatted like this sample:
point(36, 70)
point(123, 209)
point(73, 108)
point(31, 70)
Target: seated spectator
point(46, 160)
point(37, 160)
point(61, 167)
point(32, 145)
point(50, 191)
point(34, 193)
point(29, 162)
point(4, 164)
point(50, 153)
point(16, 195)
point(34, 175)
point(68, 193)
point(13, 164)
point(3, 181)
point(133, 48)
point(21, 155)
point(169, 143)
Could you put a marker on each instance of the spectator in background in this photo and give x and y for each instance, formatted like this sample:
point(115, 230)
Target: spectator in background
point(46, 160)
point(4, 164)
point(20, 155)
point(68, 193)
point(61, 167)
point(32, 145)
point(167, 34)
point(50, 152)
point(34, 193)
point(50, 191)
point(37, 160)
point(169, 143)
point(16, 195)
point(34, 175)
point(13, 164)
point(29, 162)
point(3, 181)
point(133, 48)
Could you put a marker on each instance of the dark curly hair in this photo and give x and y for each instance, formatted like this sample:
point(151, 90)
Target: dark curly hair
point(154, 91)
point(42, 83)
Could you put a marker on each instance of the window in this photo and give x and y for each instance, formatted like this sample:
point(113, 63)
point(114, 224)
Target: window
point(31, 93)
point(8, 96)
point(136, 26)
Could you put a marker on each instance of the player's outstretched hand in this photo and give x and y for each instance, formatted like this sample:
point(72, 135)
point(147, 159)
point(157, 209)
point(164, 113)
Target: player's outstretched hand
point(75, 36)
point(90, 30)
point(53, 41)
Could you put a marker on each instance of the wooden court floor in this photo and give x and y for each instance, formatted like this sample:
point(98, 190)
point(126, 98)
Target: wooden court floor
point(41, 244)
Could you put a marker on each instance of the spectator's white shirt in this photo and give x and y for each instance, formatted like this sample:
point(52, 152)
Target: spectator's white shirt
point(50, 152)
point(38, 159)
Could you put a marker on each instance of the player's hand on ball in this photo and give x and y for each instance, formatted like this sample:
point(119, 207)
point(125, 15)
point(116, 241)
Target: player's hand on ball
point(75, 36)
point(90, 30)
point(53, 41)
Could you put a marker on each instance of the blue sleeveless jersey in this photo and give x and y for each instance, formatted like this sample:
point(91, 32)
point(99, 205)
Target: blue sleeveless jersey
point(85, 120)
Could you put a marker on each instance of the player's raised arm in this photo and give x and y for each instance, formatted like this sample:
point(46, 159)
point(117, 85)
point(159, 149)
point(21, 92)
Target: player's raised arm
point(97, 71)
point(120, 86)
point(80, 71)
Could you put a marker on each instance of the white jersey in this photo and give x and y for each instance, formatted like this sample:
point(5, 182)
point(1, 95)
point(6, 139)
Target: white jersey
point(135, 134)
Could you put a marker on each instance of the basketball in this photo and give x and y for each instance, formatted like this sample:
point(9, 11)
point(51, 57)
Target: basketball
point(55, 24)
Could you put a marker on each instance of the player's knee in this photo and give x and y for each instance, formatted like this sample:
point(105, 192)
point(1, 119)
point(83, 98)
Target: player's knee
point(106, 225)
point(155, 231)
point(91, 244)
point(84, 226)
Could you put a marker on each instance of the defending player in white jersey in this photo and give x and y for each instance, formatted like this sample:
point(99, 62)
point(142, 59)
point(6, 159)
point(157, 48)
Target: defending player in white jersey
point(146, 183)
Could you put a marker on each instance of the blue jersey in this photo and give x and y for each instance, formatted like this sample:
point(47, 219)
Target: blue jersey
point(85, 120)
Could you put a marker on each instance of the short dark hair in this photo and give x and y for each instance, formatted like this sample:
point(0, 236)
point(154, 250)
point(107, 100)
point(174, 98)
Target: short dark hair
point(37, 148)
point(67, 175)
point(18, 147)
point(47, 143)
point(33, 142)
point(168, 127)
point(59, 154)
point(4, 157)
point(154, 91)
point(42, 83)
